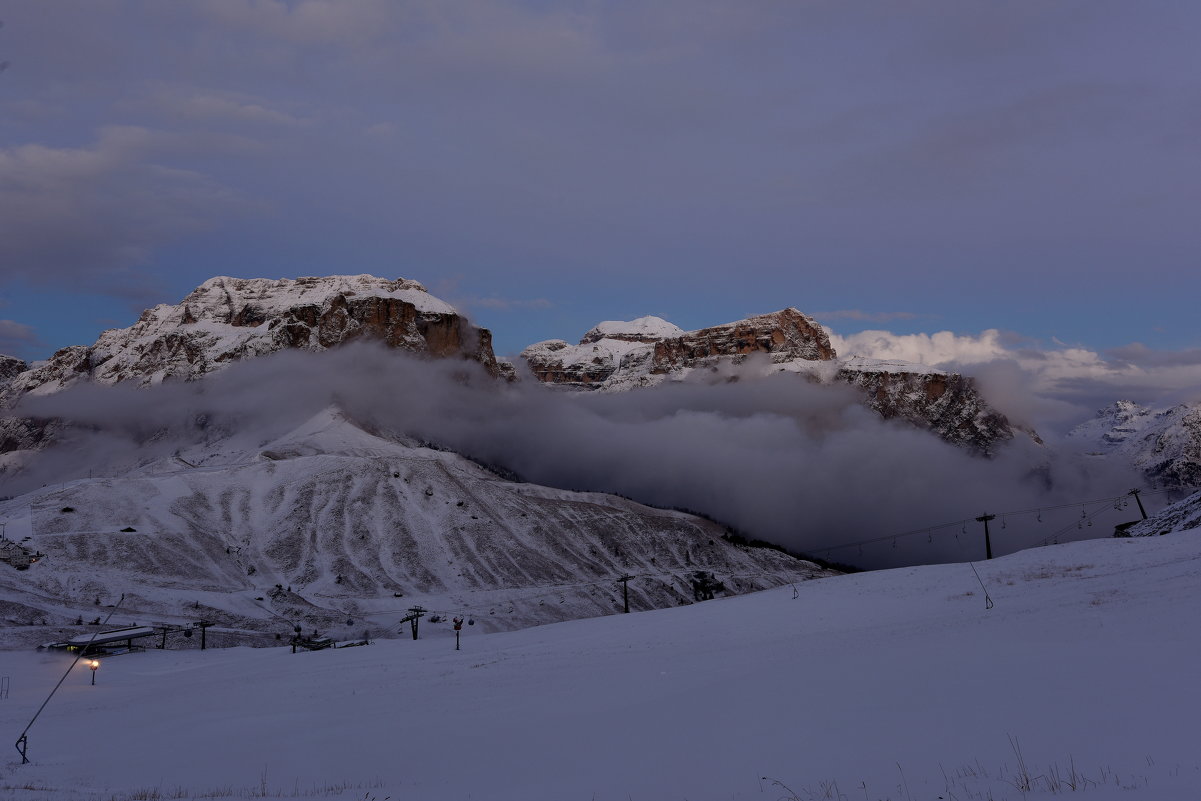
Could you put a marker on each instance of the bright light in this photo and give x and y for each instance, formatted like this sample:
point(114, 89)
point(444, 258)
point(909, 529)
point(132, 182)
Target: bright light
point(95, 663)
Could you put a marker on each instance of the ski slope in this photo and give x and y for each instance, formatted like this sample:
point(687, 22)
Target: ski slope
point(889, 685)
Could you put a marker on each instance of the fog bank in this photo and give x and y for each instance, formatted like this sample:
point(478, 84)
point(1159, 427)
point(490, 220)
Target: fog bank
point(777, 457)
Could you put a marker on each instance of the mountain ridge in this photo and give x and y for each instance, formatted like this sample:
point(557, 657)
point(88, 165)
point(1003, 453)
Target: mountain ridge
point(617, 356)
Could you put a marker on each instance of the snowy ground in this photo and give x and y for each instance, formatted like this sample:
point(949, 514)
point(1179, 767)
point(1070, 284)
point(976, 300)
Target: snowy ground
point(888, 685)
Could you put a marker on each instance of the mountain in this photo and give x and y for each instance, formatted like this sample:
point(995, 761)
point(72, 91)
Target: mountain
point(330, 523)
point(230, 319)
point(617, 356)
point(1164, 444)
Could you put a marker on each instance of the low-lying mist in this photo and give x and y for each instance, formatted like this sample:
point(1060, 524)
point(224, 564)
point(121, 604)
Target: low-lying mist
point(777, 457)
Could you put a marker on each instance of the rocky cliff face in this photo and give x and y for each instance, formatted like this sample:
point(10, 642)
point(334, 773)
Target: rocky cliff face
point(1165, 444)
point(229, 319)
point(616, 356)
point(948, 404)
point(10, 368)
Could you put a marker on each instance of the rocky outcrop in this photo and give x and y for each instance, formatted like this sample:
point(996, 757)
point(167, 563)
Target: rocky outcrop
point(10, 367)
point(230, 319)
point(948, 404)
point(1165, 444)
point(785, 336)
point(647, 351)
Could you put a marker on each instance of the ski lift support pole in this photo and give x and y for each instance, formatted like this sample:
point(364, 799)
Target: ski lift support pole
point(1139, 501)
point(22, 742)
point(987, 541)
point(412, 618)
point(625, 592)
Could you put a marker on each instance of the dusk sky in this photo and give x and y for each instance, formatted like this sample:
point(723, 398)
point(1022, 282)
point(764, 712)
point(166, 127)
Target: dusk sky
point(1026, 174)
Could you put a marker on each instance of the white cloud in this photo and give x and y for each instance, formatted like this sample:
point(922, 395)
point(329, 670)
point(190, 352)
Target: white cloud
point(16, 338)
point(223, 107)
point(91, 216)
point(934, 349)
point(859, 314)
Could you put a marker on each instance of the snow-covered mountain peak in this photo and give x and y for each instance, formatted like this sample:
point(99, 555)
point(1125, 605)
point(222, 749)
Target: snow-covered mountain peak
point(867, 364)
point(222, 296)
point(228, 319)
point(331, 432)
point(643, 329)
point(616, 355)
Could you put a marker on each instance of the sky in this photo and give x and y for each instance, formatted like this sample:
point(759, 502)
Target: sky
point(1023, 174)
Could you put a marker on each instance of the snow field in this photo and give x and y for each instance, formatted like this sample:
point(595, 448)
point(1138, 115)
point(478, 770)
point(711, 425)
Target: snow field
point(877, 684)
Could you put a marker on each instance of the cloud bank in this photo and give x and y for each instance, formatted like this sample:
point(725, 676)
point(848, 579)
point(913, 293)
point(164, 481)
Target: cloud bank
point(794, 463)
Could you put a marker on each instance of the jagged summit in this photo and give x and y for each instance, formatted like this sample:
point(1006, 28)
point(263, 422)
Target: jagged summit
point(643, 329)
point(650, 350)
point(222, 296)
point(228, 319)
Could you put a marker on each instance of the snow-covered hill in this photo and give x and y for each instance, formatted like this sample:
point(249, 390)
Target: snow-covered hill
point(617, 356)
point(1080, 681)
point(330, 523)
point(1184, 515)
point(1165, 444)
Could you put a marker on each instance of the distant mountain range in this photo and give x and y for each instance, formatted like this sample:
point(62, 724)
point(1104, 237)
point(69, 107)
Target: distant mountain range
point(334, 522)
point(232, 319)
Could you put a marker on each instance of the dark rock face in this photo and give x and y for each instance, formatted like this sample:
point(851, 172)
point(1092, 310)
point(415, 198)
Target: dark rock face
point(947, 404)
point(10, 367)
point(786, 335)
point(611, 358)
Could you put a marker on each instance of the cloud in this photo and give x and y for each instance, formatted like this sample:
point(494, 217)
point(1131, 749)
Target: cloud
point(858, 314)
point(91, 217)
point(17, 339)
point(222, 107)
point(942, 347)
point(1136, 354)
point(310, 22)
point(780, 458)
